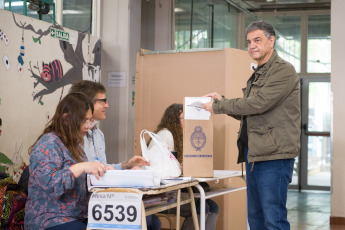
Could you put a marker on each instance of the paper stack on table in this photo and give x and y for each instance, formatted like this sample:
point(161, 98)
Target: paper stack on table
point(123, 179)
point(154, 200)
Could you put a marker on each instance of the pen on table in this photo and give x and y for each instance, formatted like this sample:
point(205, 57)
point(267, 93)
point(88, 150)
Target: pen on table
point(179, 178)
point(173, 179)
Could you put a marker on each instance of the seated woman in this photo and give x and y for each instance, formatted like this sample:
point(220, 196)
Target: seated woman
point(58, 196)
point(170, 130)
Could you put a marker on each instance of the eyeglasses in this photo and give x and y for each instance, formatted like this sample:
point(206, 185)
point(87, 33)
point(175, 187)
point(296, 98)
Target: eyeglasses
point(88, 121)
point(104, 100)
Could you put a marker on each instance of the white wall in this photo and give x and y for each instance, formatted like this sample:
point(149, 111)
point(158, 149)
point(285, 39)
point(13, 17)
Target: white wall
point(156, 25)
point(163, 25)
point(134, 40)
point(23, 111)
point(123, 33)
point(114, 34)
point(337, 84)
point(120, 34)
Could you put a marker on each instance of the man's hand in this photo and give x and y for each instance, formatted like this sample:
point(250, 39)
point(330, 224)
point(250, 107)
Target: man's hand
point(135, 162)
point(214, 95)
point(208, 106)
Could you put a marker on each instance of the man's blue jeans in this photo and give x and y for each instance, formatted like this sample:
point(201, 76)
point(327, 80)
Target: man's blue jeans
point(267, 186)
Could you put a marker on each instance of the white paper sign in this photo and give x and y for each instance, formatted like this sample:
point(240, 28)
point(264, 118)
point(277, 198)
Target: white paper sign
point(193, 110)
point(117, 79)
point(114, 210)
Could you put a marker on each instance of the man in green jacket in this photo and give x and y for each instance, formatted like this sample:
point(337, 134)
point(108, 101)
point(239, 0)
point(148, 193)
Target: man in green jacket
point(269, 137)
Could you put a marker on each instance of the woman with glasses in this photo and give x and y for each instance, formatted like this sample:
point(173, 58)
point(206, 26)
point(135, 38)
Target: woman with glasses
point(94, 141)
point(58, 194)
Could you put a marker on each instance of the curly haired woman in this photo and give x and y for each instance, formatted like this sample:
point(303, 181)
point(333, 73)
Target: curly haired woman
point(170, 130)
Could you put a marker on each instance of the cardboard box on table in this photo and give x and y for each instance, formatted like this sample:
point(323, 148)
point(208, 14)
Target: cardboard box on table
point(197, 140)
point(163, 78)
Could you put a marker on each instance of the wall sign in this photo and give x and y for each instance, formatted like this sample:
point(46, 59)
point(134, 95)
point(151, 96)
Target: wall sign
point(59, 34)
point(117, 79)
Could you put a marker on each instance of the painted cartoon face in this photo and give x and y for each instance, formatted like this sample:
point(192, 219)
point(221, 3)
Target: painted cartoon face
point(52, 72)
point(46, 73)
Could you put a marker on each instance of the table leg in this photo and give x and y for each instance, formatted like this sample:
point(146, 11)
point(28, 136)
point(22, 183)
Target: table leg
point(178, 209)
point(192, 205)
point(202, 206)
point(143, 217)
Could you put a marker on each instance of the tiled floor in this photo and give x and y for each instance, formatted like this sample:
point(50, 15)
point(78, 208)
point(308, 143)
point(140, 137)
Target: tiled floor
point(310, 211)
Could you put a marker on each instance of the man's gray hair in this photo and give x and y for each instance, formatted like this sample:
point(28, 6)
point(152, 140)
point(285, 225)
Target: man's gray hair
point(261, 25)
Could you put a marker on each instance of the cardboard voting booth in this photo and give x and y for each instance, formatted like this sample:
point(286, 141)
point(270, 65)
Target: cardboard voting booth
point(166, 77)
point(197, 138)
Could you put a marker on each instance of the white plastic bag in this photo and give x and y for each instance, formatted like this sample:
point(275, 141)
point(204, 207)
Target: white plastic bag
point(162, 162)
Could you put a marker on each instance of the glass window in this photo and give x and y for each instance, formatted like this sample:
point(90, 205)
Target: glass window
point(319, 147)
point(288, 37)
point(319, 161)
point(319, 114)
point(183, 17)
point(192, 24)
point(225, 27)
point(77, 15)
point(32, 9)
point(201, 24)
point(319, 44)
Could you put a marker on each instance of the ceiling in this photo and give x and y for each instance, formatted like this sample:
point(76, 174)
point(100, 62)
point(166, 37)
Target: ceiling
point(269, 5)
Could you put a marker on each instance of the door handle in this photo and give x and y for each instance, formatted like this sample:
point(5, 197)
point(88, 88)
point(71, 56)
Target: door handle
point(308, 133)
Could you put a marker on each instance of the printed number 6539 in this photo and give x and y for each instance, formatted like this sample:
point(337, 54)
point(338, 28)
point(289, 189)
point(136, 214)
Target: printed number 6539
point(119, 213)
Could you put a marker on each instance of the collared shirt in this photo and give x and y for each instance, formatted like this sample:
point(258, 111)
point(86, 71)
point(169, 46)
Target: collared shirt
point(94, 147)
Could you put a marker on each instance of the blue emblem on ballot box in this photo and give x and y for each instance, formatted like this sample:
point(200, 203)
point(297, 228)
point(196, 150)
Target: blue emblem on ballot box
point(198, 138)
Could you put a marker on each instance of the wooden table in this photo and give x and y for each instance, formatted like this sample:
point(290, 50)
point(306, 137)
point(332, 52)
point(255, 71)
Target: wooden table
point(176, 186)
point(217, 175)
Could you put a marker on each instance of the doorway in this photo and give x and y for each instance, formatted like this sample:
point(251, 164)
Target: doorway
point(312, 169)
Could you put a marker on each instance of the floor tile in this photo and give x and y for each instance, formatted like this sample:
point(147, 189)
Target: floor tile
point(310, 211)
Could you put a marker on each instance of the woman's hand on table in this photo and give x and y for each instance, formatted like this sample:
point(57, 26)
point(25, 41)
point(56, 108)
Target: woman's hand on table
point(95, 168)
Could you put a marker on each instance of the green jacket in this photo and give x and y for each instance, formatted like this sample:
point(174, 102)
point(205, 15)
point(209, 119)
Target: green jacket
point(271, 103)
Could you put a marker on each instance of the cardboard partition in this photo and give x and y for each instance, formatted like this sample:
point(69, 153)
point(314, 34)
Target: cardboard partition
point(168, 77)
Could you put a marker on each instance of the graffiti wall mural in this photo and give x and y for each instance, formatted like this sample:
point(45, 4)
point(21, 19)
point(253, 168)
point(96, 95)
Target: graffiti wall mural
point(40, 61)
